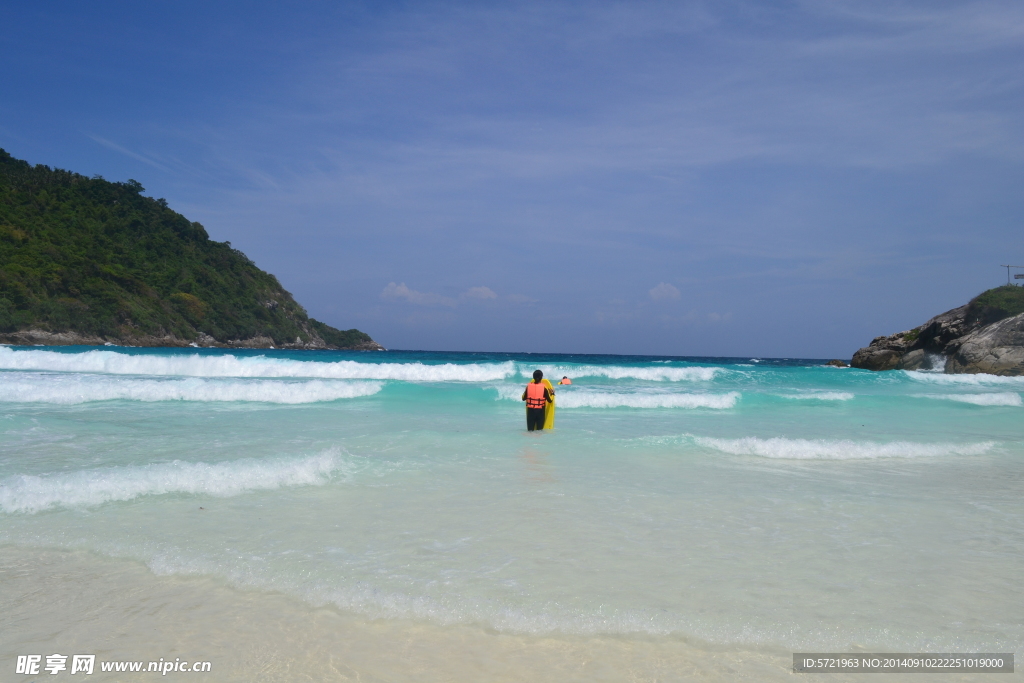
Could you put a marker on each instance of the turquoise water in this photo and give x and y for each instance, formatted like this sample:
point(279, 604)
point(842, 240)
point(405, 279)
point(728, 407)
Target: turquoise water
point(747, 503)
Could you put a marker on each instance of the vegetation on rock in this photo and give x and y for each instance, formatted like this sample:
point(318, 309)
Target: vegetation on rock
point(995, 305)
point(98, 258)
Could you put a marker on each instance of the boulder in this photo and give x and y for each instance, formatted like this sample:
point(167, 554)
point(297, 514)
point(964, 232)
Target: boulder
point(996, 349)
point(836, 363)
point(936, 334)
point(915, 360)
point(884, 353)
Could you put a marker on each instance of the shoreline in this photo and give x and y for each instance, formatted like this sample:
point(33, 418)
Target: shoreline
point(80, 601)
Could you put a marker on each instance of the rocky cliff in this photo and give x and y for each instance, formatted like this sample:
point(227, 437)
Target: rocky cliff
point(997, 349)
point(983, 336)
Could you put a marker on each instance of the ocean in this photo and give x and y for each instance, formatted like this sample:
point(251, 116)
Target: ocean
point(386, 516)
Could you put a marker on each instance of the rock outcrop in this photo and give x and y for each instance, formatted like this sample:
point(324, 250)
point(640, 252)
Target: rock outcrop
point(917, 349)
point(996, 349)
point(884, 353)
point(975, 338)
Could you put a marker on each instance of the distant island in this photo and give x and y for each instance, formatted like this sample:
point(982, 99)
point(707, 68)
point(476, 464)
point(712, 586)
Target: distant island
point(88, 261)
point(986, 335)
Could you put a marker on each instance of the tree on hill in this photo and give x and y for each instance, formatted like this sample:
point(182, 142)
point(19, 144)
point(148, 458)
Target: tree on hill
point(97, 258)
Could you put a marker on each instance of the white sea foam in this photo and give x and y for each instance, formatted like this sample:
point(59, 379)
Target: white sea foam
point(70, 389)
point(228, 365)
point(994, 399)
point(820, 396)
point(653, 374)
point(609, 400)
point(594, 399)
point(978, 379)
point(363, 597)
point(197, 365)
point(88, 488)
point(829, 449)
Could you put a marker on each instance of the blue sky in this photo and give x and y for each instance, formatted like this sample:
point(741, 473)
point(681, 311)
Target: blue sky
point(689, 178)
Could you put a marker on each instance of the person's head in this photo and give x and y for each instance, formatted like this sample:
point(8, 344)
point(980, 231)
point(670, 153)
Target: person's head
point(564, 377)
point(537, 375)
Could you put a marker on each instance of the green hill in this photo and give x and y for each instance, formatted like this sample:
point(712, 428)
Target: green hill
point(84, 260)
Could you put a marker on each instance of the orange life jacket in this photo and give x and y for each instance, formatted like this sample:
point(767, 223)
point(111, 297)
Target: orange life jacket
point(535, 395)
point(565, 380)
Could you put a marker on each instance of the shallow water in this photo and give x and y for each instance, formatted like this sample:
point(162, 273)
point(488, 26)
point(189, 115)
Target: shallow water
point(705, 508)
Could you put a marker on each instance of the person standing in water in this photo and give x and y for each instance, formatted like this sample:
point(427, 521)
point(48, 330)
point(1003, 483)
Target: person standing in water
point(537, 397)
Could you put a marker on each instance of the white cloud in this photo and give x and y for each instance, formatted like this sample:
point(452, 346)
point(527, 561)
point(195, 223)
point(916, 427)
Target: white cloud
point(479, 293)
point(664, 291)
point(128, 153)
point(395, 292)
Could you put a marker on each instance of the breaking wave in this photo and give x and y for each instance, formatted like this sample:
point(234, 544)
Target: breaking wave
point(1000, 399)
point(979, 379)
point(653, 374)
point(828, 449)
point(89, 488)
point(228, 365)
point(197, 365)
point(595, 400)
point(820, 396)
point(71, 389)
point(590, 399)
